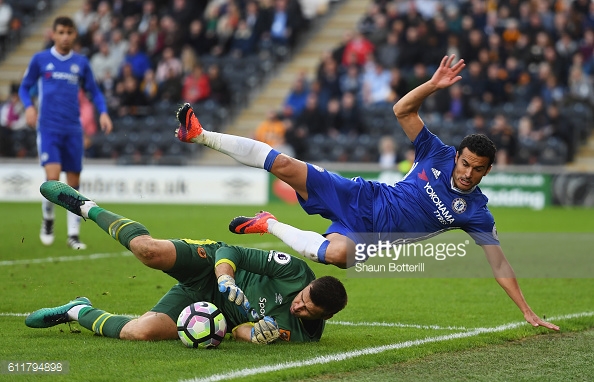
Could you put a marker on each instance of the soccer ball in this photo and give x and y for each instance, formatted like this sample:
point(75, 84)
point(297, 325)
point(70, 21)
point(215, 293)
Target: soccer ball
point(201, 325)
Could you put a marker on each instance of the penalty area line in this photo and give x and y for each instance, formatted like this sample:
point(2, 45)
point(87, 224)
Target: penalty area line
point(370, 351)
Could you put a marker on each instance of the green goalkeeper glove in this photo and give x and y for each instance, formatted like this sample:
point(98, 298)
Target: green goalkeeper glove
point(227, 285)
point(265, 331)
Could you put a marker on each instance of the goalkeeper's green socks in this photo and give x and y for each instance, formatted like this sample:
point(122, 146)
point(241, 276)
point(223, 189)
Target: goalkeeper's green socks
point(120, 228)
point(102, 323)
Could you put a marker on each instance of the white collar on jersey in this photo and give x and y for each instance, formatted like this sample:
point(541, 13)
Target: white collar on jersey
point(459, 190)
point(58, 55)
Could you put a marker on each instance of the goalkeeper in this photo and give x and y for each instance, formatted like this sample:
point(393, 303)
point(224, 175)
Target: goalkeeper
point(292, 305)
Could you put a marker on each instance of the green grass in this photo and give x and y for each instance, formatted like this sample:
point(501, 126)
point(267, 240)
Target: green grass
point(120, 284)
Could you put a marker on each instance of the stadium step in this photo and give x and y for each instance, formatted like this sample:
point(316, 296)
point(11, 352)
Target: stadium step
point(329, 33)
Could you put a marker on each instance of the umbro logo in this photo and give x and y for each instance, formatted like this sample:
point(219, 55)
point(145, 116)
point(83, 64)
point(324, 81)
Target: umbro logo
point(50, 66)
point(436, 173)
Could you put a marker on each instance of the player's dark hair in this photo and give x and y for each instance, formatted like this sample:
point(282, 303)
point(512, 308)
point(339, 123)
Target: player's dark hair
point(480, 145)
point(64, 21)
point(328, 293)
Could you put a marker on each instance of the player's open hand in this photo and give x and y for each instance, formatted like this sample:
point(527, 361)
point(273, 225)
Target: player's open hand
point(265, 331)
point(447, 75)
point(535, 321)
point(105, 123)
point(236, 295)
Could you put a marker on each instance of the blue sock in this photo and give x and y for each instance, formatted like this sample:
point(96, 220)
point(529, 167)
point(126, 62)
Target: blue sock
point(270, 159)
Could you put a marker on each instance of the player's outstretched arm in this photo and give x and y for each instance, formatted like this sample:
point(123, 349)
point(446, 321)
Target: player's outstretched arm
point(505, 276)
point(407, 108)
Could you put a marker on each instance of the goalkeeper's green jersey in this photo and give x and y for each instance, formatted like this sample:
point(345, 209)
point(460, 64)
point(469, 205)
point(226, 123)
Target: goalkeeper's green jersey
point(269, 279)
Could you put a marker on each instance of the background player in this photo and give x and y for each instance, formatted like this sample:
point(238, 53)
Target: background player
point(58, 73)
point(439, 193)
point(293, 302)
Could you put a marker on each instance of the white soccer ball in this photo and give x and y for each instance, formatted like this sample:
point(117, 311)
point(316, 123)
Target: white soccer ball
point(201, 325)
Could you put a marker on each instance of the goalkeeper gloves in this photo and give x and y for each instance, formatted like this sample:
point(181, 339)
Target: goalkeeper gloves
point(227, 284)
point(265, 331)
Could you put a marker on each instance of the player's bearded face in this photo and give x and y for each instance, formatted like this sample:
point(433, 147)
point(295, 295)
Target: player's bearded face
point(469, 169)
point(64, 37)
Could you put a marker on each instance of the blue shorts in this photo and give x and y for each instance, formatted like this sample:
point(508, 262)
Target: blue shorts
point(64, 148)
point(348, 203)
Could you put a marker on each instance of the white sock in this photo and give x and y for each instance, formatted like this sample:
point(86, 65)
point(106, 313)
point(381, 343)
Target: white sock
point(244, 150)
point(306, 243)
point(84, 209)
point(74, 311)
point(47, 209)
point(73, 223)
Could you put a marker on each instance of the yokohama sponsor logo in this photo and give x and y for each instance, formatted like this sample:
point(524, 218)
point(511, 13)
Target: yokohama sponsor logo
point(442, 213)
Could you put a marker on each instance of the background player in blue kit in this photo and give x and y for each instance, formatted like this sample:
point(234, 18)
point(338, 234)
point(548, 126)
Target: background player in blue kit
point(59, 73)
point(439, 193)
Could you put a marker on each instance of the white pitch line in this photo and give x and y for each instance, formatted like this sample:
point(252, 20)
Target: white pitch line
point(397, 325)
point(95, 256)
point(368, 351)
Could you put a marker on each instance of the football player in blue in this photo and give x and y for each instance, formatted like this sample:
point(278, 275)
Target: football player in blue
point(439, 193)
point(59, 73)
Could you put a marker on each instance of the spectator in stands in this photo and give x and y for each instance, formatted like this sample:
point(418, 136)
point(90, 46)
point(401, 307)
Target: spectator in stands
point(118, 46)
point(182, 12)
point(220, 92)
point(563, 129)
point(149, 87)
point(332, 118)
point(411, 50)
point(5, 19)
point(188, 59)
point(201, 40)
point(243, 42)
point(504, 137)
point(12, 117)
point(350, 116)
point(528, 142)
point(580, 85)
point(196, 87)
point(311, 118)
point(132, 100)
point(297, 97)
point(152, 39)
point(84, 18)
point(144, 19)
point(388, 53)
point(104, 62)
point(103, 20)
point(388, 152)
point(174, 33)
point(398, 85)
point(285, 23)
point(376, 84)
point(272, 130)
point(350, 81)
point(168, 62)
point(137, 59)
point(495, 93)
point(170, 90)
point(328, 78)
point(357, 50)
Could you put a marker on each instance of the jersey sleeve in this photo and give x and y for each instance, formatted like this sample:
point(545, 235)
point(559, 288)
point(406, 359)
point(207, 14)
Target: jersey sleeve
point(29, 79)
point(90, 85)
point(273, 263)
point(428, 144)
point(482, 228)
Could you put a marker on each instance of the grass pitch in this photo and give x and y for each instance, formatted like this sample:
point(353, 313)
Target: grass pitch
point(393, 328)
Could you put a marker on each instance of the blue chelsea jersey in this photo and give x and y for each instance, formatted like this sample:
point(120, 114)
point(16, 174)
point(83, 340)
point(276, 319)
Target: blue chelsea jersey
point(426, 203)
point(58, 79)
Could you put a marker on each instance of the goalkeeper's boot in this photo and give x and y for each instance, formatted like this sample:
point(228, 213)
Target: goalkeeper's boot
point(46, 235)
point(189, 127)
point(67, 197)
point(48, 317)
point(256, 224)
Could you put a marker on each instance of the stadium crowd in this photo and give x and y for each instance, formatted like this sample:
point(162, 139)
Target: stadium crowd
point(528, 82)
point(527, 85)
